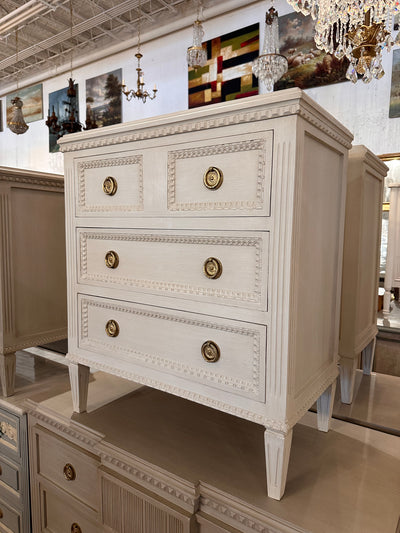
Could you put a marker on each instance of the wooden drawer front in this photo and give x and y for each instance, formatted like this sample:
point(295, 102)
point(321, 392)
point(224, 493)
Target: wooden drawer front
point(127, 171)
point(54, 456)
point(171, 341)
point(174, 264)
point(246, 163)
point(59, 512)
point(9, 434)
point(129, 510)
point(10, 520)
point(9, 474)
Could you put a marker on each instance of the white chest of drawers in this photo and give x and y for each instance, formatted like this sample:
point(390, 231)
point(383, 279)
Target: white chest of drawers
point(204, 259)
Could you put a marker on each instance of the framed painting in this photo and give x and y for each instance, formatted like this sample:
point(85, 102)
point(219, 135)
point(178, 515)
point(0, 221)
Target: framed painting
point(227, 74)
point(61, 104)
point(32, 98)
point(308, 66)
point(394, 106)
point(104, 100)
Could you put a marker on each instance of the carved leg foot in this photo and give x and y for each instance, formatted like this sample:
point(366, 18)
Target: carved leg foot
point(368, 357)
point(79, 379)
point(325, 406)
point(7, 373)
point(277, 452)
point(347, 369)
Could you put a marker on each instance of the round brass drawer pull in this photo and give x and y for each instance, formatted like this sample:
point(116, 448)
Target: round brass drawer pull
point(112, 328)
point(213, 178)
point(112, 259)
point(110, 186)
point(212, 268)
point(69, 472)
point(75, 528)
point(210, 351)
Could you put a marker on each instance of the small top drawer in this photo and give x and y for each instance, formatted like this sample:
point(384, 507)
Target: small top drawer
point(109, 184)
point(9, 434)
point(223, 176)
point(67, 466)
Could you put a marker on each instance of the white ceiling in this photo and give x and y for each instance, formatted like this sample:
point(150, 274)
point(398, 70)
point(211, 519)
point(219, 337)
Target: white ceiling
point(47, 41)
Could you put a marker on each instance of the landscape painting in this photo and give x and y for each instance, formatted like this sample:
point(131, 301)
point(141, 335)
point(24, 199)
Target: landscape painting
point(62, 107)
point(308, 66)
point(32, 98)
point(103, 100)
point(227, 74)
point(394, 107)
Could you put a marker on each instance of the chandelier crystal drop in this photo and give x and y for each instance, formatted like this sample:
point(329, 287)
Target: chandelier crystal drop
point(356, 29)
point(270, 66)
point(196, 55)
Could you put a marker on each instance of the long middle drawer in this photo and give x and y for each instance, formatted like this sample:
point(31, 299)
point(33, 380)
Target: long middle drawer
point(220, 267)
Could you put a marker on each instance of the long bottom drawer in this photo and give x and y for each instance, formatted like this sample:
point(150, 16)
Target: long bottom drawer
point(10, 518)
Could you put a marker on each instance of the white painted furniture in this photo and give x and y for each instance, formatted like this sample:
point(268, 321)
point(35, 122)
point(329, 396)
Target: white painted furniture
point(362, 237)
point(392, 273)
point(33, 307)
point(204, 253)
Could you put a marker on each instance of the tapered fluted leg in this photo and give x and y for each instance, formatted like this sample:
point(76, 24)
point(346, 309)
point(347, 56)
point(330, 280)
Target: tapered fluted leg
point(368, 357)
point(79, 378)
point(7, 373)
point(277, 453)
point(325, 407)
point(347, 369)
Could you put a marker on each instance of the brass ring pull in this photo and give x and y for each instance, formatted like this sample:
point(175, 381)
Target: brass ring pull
point(69, 472)
point(213, 178)
point(212, 268)
point(75, 528)
point(210, 352)
point(112, 328)
point(112, 259)
point(110, 186)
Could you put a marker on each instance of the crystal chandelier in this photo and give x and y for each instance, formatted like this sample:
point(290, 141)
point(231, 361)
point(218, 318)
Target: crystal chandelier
point(356, 29)
point(270, 66)
point(17, 122)
point(140, 93)
point(196, 55)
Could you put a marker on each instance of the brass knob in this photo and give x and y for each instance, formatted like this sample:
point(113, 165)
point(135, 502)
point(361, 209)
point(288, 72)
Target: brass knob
point(112, 328)
point(213, 178)
point(112, 259)
point(110, 186)
point(210, 351)
point(212, 268)
point(75, 528)
point(69, 472)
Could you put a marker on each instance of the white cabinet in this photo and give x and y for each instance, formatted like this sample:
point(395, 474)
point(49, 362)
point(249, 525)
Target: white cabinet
point(33, 302)
point(204, 254)
point(358, 329)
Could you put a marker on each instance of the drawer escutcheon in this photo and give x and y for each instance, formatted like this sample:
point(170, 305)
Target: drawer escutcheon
point(210, 352)
point(213, 178)
point(112, 259)
point(110, 186)
point(69, 472)
point(212, 268)
point(112, 328)
point(75, 528)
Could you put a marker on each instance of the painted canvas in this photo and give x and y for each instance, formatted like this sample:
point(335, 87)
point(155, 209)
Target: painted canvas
point(394, 107)
point(308, 66)
point(103, 99)
point(32, 98)
point(58, 101)
point(227, 74)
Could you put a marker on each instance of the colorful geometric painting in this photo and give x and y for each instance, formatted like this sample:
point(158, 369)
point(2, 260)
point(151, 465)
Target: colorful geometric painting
point(32, 98)
point(59, 102)
point(103, 99)
point(227, 74)
point(394, 108)
point(308, 66)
